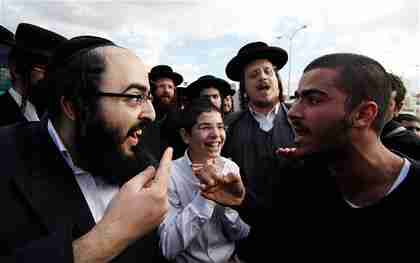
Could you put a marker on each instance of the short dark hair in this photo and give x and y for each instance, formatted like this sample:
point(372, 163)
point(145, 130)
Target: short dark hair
point(243, 99)
point(361, 78)
point(194, 110)
point(397, 85)
point(77, 80)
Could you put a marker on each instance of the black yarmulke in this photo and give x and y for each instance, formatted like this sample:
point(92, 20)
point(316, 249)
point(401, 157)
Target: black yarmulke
point(76, 45)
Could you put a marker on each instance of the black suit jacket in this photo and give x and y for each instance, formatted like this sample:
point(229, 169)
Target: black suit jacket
point(43, 207)
point(10, 111)
point(403, 141)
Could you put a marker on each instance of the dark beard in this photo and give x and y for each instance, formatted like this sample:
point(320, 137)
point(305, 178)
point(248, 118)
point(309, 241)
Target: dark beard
point(163, 108)
point(101, 156)
point(336, 141)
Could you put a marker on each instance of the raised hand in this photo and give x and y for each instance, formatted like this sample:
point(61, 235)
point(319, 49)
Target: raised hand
point(225, 189)
point(138, 208)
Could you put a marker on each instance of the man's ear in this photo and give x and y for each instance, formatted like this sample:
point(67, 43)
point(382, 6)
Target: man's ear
point(68, 108)
point(185, 136)
point(364, 114)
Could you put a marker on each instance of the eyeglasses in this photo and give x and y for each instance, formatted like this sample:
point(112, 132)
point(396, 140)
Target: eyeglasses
point(137, 99)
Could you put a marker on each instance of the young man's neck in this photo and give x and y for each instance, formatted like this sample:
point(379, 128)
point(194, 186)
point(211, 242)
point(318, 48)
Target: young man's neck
point(263, 110)
point(195, 159)
point(366, 172)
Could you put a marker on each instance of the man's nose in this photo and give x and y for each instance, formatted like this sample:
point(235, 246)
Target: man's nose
point(147, 111)
point(294, 111)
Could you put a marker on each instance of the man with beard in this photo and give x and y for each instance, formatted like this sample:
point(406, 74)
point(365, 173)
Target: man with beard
point(253, 135)
point(200, 225)
point(339, 113)
point(72, 184)
point(165, 131)
point(165, 81)
point(27, 62)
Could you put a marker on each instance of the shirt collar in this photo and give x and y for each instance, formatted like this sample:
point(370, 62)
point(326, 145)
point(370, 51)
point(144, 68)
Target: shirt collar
point(16, 96)
point(273, 112)
point(62, 148)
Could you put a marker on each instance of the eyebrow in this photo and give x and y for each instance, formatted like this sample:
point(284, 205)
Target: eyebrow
point(209, 123)
point(309, 92)
point(136, 86)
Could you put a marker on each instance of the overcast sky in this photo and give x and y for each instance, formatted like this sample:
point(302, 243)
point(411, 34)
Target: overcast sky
point(200, 37)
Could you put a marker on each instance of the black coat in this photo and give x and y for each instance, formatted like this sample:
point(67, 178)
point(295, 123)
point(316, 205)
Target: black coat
point(10, 111)
point(44, 208)
point(396, 138)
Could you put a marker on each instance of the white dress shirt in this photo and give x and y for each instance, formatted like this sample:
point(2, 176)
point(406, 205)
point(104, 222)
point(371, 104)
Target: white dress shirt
point(97, 193)
point(30, 111)
point(197, 229)
point(266, 121)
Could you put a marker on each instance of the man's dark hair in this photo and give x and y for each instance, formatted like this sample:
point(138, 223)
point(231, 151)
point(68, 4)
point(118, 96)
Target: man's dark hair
point(361, 78)
point(398, 85)
point(77, 80)
point(194, 110)
point(243, 98)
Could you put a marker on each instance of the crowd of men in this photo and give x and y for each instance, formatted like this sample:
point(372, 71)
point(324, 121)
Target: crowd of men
point(103, 160)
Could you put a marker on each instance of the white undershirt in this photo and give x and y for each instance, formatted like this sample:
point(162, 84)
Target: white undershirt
point(266, 121)
point(29, 111)
point(96, 191)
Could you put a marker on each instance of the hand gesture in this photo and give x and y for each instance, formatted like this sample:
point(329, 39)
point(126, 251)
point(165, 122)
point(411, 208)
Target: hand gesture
point(224, 189)
point(141, 204)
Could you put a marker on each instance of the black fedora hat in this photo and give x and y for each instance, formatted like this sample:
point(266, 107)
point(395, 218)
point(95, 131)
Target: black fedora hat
point(36, 41)
point(165, 71)
point(208, 81)
point(231, 92)
point(6, 37)
point(253, 51)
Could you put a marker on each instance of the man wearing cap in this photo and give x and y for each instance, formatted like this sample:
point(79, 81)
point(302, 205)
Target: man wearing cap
point(211, 87)
point(165, 81)
point(73, 186)
point(28, 60)
point(256, 132)
point(164, 131)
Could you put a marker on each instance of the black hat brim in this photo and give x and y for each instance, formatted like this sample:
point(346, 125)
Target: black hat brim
point(275, 55)
point(197, 86)
point(7, 42)
point(176, 78)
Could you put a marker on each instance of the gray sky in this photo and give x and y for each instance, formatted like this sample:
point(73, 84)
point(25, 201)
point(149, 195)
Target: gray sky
point(200, 37)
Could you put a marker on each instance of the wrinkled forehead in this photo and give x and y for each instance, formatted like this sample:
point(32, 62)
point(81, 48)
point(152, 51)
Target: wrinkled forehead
point(122, 69)
point(164, 81)
point(258, 63)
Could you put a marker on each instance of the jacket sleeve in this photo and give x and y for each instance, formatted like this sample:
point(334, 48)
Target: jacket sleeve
point(56, 247)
